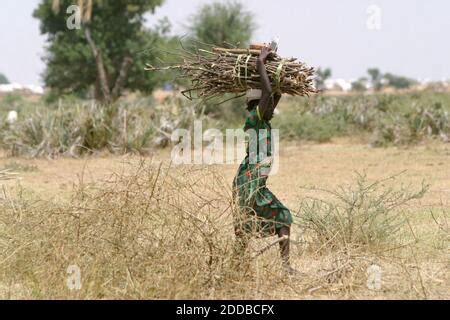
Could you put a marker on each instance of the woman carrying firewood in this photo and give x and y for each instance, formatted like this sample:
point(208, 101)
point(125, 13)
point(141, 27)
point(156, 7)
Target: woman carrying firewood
point(260, 212)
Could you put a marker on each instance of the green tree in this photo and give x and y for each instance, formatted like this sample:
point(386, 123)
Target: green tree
point(375, 78)
point(3, 79)
point(108, 51)
point(398, 82)
point(359, 85)
point(321, 76)
point(222, 23)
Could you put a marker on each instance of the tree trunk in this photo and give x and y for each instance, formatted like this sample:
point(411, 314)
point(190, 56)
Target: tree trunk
point(122, 77)
point(102, 84)
point(98, 96)
point(101, 73)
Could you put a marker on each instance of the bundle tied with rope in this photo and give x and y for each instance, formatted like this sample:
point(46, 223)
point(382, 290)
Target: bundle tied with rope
point(219, 71)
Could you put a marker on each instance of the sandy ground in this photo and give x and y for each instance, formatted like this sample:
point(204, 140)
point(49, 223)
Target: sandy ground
point(320, 165)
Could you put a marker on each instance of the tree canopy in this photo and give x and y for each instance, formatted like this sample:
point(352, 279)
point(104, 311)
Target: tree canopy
point(3, 79)
point(109, 50)
point(376, 78)
point(321, 76)
point(398, 82)
point(222, 23)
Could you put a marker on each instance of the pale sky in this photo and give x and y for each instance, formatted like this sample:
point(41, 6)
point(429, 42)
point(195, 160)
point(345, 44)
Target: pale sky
point(405, 37)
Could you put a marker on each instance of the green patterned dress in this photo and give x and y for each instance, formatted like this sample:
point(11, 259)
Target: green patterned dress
point(260, 212)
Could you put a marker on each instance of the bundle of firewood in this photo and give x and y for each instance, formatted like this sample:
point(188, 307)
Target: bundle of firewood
point(219, 71)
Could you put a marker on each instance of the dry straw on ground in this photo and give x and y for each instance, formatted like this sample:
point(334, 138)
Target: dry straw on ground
point(7, 174)
point(156, 231)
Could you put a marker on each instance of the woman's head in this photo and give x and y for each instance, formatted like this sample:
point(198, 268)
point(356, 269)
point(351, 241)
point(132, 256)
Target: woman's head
point(253, 96)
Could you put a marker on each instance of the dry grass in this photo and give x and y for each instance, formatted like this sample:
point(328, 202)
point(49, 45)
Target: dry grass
point(7, 174)
point(364, 213)
point(149, 230)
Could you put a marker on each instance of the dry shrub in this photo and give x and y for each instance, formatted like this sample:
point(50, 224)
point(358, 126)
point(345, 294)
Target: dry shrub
point(442, 232)
point(147, 232)
point(412, 126)
point(357, 228)
point(79, 129)
point(156, 231)
point(365, 213)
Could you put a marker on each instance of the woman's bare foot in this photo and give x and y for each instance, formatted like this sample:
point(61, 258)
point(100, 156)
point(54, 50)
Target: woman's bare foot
point(288, 270)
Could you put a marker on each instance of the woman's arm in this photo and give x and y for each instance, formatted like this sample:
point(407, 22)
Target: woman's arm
point(266, 103)
point(276, 99)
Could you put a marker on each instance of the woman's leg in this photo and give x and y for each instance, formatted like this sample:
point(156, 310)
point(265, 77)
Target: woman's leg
point(284, 245)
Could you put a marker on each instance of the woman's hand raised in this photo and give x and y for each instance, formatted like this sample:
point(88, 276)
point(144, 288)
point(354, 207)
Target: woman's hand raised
point(265, 52)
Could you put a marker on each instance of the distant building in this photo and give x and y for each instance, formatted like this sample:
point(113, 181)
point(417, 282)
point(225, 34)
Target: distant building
point(338, 84)
point(14, 87)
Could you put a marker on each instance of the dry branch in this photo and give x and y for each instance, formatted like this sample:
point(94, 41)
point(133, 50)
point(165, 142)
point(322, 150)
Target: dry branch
point(221, 70)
